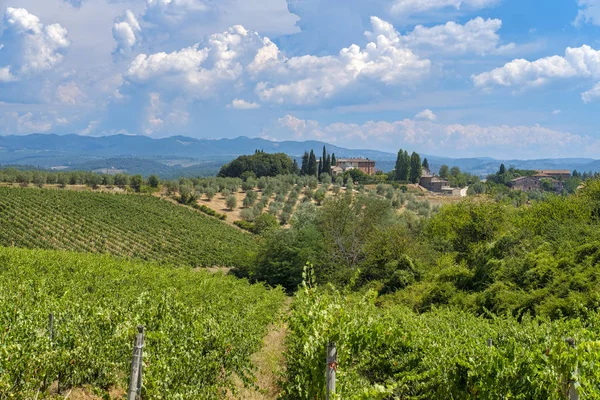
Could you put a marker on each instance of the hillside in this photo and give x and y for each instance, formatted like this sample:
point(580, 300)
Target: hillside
point(131, 226)
point(201, 328)
point(176, 156)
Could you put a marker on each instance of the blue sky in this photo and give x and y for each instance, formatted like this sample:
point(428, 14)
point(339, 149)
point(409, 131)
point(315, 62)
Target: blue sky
point(458, 78)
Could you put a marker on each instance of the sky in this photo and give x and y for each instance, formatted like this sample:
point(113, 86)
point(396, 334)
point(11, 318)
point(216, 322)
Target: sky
point(456, 78)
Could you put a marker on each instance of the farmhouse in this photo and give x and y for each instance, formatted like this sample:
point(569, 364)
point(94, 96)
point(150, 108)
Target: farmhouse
point(560, 174)
point(364, 164)
point(536, 182)
point(432, 182)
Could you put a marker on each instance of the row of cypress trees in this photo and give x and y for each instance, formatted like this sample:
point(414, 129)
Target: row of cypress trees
point(310, 166)
point(409, 168)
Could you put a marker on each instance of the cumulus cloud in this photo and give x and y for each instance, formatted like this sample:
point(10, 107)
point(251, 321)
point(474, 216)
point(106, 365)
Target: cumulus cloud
point(427, 115)
point(24, 123)
point(126, 32)
point(589, 12)
point(476, 36)
point(580, 62)
point(30, 46)
point(239, 57)
point(240, 104)
point(309, 79)
point(435, 138)
point(410, 7)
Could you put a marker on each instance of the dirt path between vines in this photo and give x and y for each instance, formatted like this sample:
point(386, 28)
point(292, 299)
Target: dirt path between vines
point(269, 362)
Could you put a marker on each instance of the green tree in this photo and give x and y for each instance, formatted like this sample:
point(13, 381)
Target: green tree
point(153, 181)
point(312, 164)
point(502, 170)
point(264, 223)
point(260, 163)
point(231, 202)
point(416, 169)
point(304, 168)
point(425, 164)
point(444, 172)
point(333, 160)
point(320, 167)
point(403, 166)
point(399, 161)
point(136, 182)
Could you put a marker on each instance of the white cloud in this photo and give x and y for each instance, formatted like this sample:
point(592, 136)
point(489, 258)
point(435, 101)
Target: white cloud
point(24, 123)
point(238, 57)
point(410, 7)
point(426, 115)
point(69, 93)
point(240, 104)
point(581, 62)
point(126, 32)
point(592, 94)
point(476, 36)
point(442, 139)
point(589, 12)
point(309, 79)
point(172, 12)
point(556, 112)
point(33, 47)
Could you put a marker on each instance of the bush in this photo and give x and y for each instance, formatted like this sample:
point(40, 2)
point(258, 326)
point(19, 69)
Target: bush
point(264, 223)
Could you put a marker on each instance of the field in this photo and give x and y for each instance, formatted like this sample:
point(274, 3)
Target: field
point(130, 226)
point(201, 328)
point(281, 196)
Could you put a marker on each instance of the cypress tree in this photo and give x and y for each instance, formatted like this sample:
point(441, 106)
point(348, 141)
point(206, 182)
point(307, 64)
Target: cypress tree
point(333, 160)
point(304, 168)
point(425, 164)
point(320, 166)
point(324, 158)
point(399, 165)
point(416, 170)
point(328, 164)
point(404, 166)
point(312, 164)
point(502, 169)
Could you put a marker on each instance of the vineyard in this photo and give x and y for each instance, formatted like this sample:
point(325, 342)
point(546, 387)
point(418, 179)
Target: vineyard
point(200, 328)
point(394, 353)
point(130, 226)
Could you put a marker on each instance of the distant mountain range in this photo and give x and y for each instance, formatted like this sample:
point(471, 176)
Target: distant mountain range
point(184, 156)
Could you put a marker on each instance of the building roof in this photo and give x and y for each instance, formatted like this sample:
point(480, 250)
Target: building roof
point(555, 171)
point(354, 160)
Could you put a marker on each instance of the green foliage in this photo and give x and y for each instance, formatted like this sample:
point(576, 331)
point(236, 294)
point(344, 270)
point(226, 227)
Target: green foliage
point(231, 202)
point(264, 223)
point(201, 328)
point(416, 169)
point(391, 352)
point(131, 226)
point(260, 164)
point(153, 181)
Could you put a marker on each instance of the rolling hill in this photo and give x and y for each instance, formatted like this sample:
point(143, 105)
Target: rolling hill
point(129, 226)
point(183, 156)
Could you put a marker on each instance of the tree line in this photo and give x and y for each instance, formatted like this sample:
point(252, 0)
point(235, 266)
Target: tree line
point(63, 178)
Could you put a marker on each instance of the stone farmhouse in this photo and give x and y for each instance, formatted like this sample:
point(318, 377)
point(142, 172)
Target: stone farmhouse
point(536, 182)
point(436, 184)
point(363, 164)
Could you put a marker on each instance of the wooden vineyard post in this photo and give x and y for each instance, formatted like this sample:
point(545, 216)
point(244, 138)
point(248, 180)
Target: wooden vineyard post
point(489, 342)
point(135, 380)
point(573, 393)
point(331, 369)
